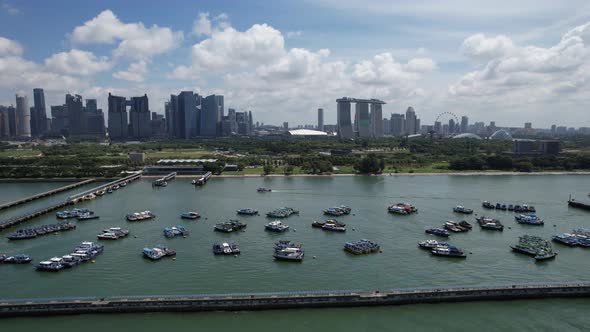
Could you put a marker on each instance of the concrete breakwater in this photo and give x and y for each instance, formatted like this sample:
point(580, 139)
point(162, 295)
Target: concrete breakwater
point(265, 301)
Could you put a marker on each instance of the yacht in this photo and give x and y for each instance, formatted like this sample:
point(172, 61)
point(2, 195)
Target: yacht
point(449, 251)
point(51, 266)
point(226, 248)
point(289, 254)
point(190, 215)
point(276, 226)
point(431, 244)
point(15, 259)
point(248, 211)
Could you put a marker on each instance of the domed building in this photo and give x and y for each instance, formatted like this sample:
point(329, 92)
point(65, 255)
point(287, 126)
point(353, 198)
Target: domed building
point(467, 135)
point(501, 135)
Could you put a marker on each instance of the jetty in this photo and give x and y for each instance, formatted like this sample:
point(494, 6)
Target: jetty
point(163, 180)
point(576, 204)
point(289, 300)
point(71, 200)
point(44, 194)
point(203, 179)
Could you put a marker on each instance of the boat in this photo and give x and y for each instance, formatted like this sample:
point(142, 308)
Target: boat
point(15, 259)
point(529, 219)
point(431, 244)
point(462, 209)
point(247, 211)
point(69, 261)
point(402, 208)
point(116, 187)
point(140, 216)
point(89, 197)
point(74, 213)
point(361, 247)
point(438, 232)
point(113, 233)
point(454, 227)
point(50, 266)
point(289, 254)
point(337, 211)
point(320, 224)
point(158, 252)
point(282, 212)
point(226, 248)
point(334, 227)
point(487, 205)
point(449, 251)
point(107, 236)
point(567, 239)
point(263, 190)
point(229, 226)
point(123, 184)
point(175, 231)
point(160, 183)
point(276, 226)
point(534, 246)
point(87, 216)
point(572, 202)
point(190, 215)
point(583, 237)
point(465, 225)
point(29, 233)
point(109, 191)
point(524, 208)
point(490, 223)
point(100, 192)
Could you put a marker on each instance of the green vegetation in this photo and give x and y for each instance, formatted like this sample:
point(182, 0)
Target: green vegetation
point(284, 156)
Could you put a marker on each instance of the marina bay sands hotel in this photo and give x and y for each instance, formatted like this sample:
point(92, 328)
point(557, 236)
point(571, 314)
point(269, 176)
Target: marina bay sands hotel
point(368, 117)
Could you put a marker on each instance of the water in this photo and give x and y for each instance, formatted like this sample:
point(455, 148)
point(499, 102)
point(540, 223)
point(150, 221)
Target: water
point(121, 270)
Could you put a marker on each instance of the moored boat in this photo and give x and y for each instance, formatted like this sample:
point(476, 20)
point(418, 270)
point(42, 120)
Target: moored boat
point(534, 246)
point(50, 265)
point(247, 211)
point(431, 244)
point(263, 190)
point(140, 216)
point(361, 247)
point(402, 208)
point(158, 252)
point(449, 251)
point(190, 215)
point(225, 248)
point(283, 212)
point(530, 219)
point(15, 259)
point(462, 209)
point(276, 226)
point(177, 230)
point(490, 223)
point(438, 232)
point(229, 226)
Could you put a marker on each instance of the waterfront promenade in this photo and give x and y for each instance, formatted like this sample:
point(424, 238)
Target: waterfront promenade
point(289, 300)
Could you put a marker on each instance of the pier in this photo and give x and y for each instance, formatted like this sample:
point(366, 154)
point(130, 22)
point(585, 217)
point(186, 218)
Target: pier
point(44, 194)
point(576, 204)
point(71, 200)
point(203, 179)
point(289, 300)
point(164, 180)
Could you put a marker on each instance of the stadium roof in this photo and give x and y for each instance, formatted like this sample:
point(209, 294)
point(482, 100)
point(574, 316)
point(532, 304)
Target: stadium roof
point(307, 132)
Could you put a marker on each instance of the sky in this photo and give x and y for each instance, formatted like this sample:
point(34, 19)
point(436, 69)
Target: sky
point(505, 61)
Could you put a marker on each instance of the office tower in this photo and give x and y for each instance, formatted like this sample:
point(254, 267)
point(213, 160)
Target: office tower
point(464, 124)
point(158, 125)
point(410, 128)
point(250, 123)
point(76, 116)
point(343, 118)
point(60, 122)
point(118, 123)
point(376, 120)
point(386, 126)
point(139, 117)
point(39, 113)
point(94, 120)
point(4, 123)
point(451, 126)
point(397, 124)
point(528, 125)
point(320, 119)
point(438, 127)
point(553, 129)
point(211, 109)
point(184, 108)
point(362, 119)
point(23, 117)
point(12, 120)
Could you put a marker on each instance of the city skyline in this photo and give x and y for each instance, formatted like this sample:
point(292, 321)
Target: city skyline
point(285, 70)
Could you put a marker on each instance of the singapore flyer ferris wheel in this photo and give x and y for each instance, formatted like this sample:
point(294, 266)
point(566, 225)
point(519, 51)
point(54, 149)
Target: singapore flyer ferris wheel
point(444, 125)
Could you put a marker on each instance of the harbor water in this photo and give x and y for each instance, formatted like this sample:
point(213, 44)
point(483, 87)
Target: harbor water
point(121, 270)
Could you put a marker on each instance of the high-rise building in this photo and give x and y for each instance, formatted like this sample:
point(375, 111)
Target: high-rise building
point(211, 112)
point(76, 116)
point(362, 119)
point(343, 118)
point(118, 123)
point(59, 123)
point(4, 122)
point(94, 120)
point(12, 120)
point(376, 120)
point(386, 126)
point(411, 122)
point(188, 112)
point(528, 125)
point(23, 117)
point(452, 128)
point(397, 124)
point(464, 124)
point(139, 118)
point(320, 119)
point(158, 124)
point(438, 127)
point(39, 113)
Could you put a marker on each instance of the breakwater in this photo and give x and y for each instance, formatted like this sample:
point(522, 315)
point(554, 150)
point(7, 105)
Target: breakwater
point(265, 301)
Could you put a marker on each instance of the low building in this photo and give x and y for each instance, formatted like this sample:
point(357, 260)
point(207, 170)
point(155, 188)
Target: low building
point(179, 169)
point(550, 147)
point(137, 157)
point(231, 168)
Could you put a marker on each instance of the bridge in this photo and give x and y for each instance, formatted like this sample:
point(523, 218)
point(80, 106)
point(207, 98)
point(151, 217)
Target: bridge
point(289, 300)
point(44, 194)
point(71, 200)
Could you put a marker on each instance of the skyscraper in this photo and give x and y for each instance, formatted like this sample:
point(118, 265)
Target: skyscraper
point(76, 116)
point(321, 119)
point(4, 123)
point(362, 119)
point(118, 123)
point(59, 123)
point(23, 117)
point(376, 120)
point(139, 117)
point(211, 112)
point(397, 124)
point(343, 118)
point(94, 120)
point(39, 114)
point(411, 124)
point(464, 124)
point(187, 114)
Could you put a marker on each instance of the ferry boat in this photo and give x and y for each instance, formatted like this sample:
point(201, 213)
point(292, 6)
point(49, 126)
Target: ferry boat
point(462, 209)
point(283, 212)
point(15, 259)
point(282, 244)
point(113, 233)
point(87, 216)
point(69, 261)
point(529, 219)
point(337, 211)
point(567, 239)
point(226, 248)
point(247, 211)
point(263, 190)
point(454, 227)
point(140, 216)
point(289, 254)
point(402, 208)
point(449, 251)
point(276, 226)
point(50, 265)
point(229, 226)
point(438, 232)
point(175, 231)
point(487, 205)
point(190, 215)
point(361, 247)
point(158, 252)
point(490, 223)
point(431, 244)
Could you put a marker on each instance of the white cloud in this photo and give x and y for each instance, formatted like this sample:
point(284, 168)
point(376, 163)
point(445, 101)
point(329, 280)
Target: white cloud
point(10, 9)
point(18, 73)
point(135, 72)
point(479, 46)
point(135, 40)
point(77, 62)
point(294, 34)
point(10, 47)
point(202, 26)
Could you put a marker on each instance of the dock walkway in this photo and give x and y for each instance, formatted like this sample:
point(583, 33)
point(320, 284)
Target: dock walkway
point(44, 194)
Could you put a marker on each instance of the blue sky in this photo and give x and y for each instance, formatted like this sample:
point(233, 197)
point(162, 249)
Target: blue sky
point(508, 61)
